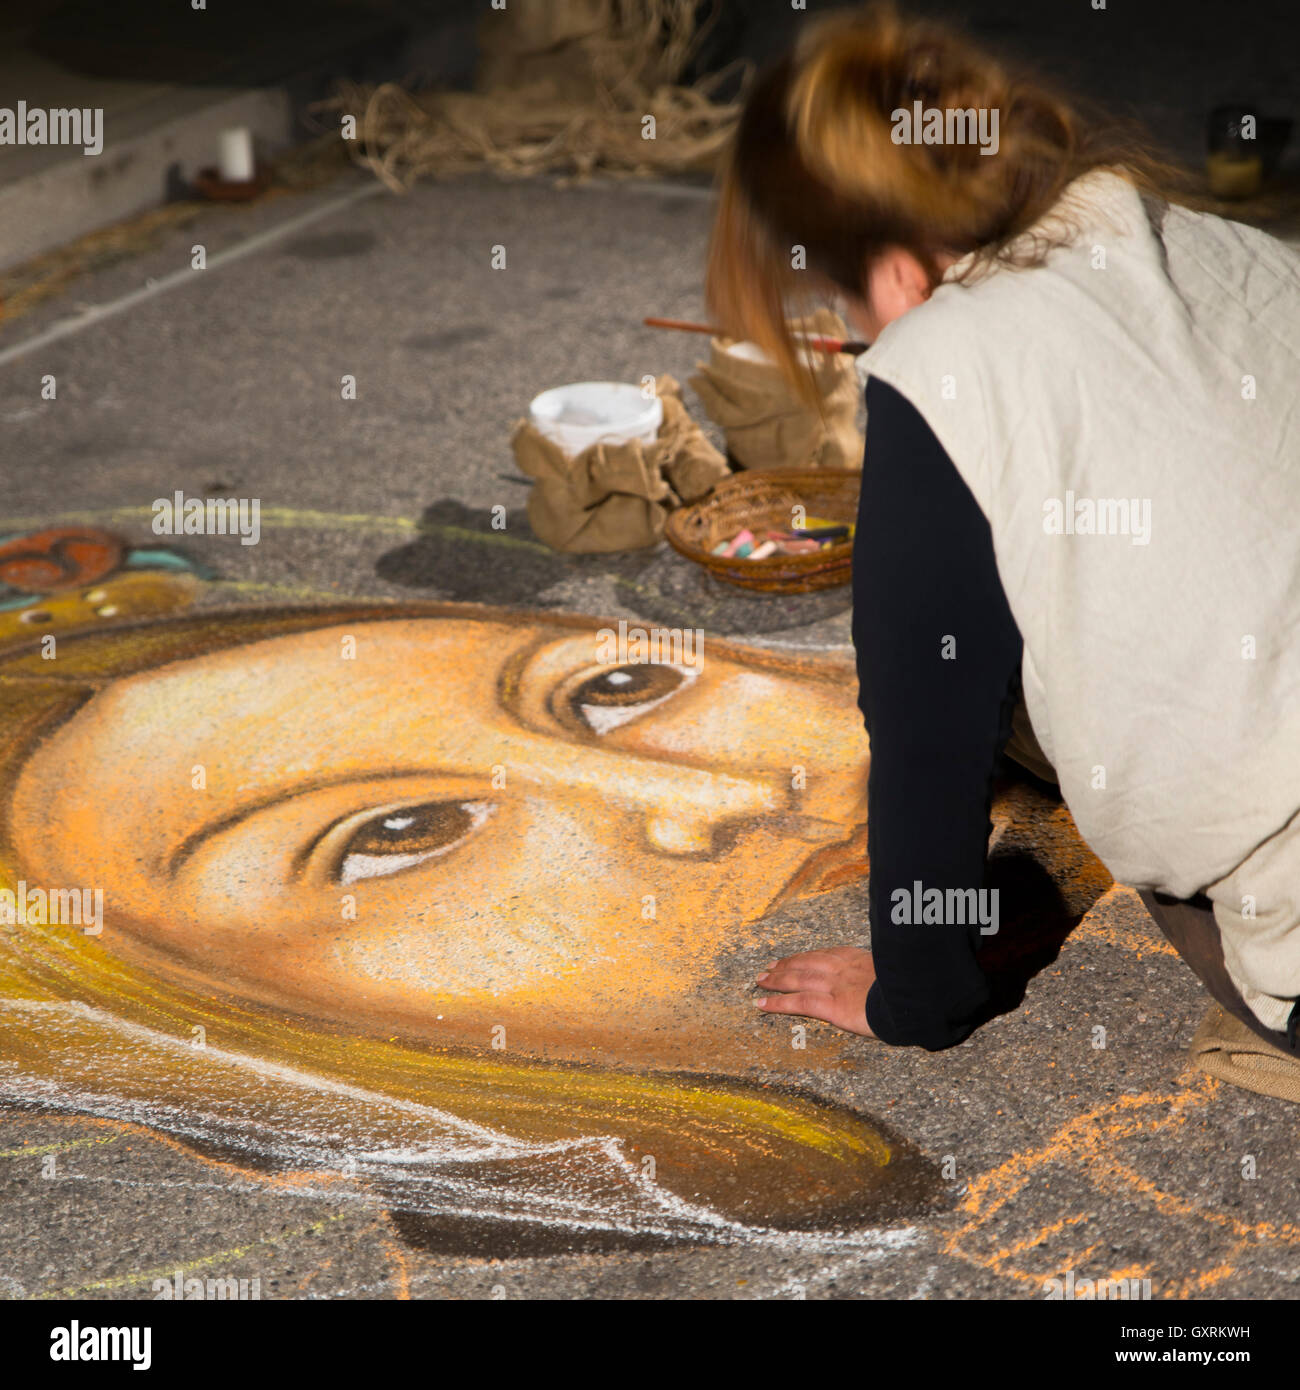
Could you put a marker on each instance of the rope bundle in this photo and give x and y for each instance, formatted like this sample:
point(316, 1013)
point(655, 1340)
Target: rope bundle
point(565, 87)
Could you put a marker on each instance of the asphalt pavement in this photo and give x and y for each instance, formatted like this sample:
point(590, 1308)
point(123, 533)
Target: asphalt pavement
point(1046, 1151)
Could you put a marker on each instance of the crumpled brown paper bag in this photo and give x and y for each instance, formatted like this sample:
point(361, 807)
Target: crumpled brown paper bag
point(1226, 1048)
point(617, 496)
point(766, 424)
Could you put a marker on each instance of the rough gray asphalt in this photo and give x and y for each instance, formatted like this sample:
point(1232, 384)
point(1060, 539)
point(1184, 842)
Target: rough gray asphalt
point(1063, 1156)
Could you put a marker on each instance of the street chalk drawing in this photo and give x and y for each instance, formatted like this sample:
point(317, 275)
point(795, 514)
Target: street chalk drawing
point(418, 905)
point(426, 896)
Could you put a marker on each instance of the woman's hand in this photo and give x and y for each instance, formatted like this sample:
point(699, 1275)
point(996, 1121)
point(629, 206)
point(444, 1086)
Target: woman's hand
point(829, 985)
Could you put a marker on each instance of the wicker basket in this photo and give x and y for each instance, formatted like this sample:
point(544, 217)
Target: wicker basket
point(762, 502)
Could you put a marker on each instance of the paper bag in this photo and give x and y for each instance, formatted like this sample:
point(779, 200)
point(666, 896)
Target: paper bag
point(767, 425)
point(617, 496)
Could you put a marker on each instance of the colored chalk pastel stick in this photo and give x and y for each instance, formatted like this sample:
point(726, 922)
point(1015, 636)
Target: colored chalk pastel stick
point(745, 538)
point(720, 548)
point(763, 551)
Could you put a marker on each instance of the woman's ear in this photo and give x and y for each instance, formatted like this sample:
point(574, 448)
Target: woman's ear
point(895, 281)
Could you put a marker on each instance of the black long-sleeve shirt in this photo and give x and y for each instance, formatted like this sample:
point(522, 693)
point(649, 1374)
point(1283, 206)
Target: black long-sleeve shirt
point(938, 657)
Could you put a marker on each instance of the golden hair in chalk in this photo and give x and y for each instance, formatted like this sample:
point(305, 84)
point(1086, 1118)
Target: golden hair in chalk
point(814, 164)
point(91, 1028)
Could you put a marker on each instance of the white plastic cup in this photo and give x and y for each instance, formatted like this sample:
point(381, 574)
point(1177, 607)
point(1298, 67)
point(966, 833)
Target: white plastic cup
point(596, 412)
point(751, 352)
point(235, 160)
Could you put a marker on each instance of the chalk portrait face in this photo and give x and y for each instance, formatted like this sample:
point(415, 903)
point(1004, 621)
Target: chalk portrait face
point(446, 825)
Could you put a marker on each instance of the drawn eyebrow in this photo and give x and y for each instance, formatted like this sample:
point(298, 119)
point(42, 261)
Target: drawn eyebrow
point(507, 690)
point(510, 676)
point(196, 838)
point(515, 667)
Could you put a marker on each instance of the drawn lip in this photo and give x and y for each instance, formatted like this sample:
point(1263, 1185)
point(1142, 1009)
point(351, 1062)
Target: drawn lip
point(832, 866)
point(814, 829)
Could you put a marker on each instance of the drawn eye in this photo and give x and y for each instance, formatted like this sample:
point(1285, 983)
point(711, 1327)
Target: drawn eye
point(395, 840)
point(604, 701)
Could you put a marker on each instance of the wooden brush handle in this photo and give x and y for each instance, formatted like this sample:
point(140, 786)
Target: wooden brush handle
point(815, 342)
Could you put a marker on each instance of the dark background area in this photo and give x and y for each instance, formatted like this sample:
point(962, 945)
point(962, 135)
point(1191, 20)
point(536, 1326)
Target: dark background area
point(1167, 61)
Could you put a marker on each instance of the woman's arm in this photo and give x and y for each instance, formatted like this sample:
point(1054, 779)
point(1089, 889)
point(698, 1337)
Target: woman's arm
point(938, 669)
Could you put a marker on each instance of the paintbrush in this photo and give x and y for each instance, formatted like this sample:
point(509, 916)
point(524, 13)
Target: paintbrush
point(813, 340)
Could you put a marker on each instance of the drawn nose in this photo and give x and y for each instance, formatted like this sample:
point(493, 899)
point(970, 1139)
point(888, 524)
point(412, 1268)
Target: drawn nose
point(687, 816)
point(675, 833)
point(679, 832)
point(682, 809)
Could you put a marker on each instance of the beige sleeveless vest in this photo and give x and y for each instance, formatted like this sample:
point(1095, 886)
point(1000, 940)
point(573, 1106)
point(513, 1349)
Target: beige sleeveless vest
point(1127, 416)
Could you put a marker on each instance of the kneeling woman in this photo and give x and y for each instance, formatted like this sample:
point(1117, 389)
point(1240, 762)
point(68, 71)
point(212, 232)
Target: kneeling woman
point(1081, 477)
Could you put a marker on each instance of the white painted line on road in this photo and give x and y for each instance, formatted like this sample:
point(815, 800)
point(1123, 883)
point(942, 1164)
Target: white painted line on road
point(97, 313)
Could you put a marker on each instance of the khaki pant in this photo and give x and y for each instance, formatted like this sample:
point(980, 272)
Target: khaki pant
point(1023, 747)
point(1188, 925)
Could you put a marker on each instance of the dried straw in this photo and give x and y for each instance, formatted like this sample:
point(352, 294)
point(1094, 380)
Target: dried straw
point(570, 106)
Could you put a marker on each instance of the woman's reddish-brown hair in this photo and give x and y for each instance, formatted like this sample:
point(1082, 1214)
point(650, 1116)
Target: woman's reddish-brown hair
point(815, 186)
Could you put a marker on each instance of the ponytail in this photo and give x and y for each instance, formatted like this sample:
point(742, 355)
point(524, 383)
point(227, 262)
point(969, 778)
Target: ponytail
point(818, 177)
